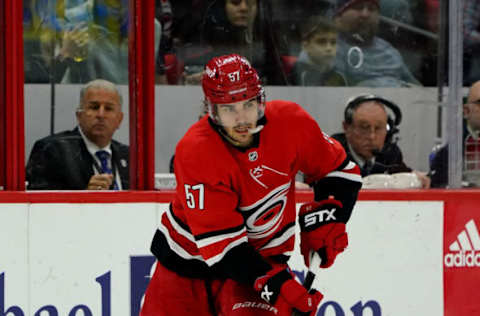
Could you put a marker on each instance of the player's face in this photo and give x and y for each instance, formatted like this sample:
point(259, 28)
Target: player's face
point(368, 129)
point(321, 47)
point(472, 109)
point(100, 115)
point(361, 18)
point(241, 13)
point(237, 118)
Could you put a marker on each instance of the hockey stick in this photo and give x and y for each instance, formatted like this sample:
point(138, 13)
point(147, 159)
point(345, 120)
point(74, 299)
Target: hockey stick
point(314, 262)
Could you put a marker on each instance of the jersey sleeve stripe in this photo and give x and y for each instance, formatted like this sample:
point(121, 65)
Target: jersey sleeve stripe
point(350, 165)
point(179, 250)
point(220, 232)
point(178, 227)
point(345, 175)
point(188, 245)
point(212, 260)
point(350, 171)
point(205, 242)
point(346, 164)
point(280, 240)
point(178, 220)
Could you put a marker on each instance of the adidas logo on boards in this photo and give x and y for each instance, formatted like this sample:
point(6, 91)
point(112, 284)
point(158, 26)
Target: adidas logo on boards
point(465, 251)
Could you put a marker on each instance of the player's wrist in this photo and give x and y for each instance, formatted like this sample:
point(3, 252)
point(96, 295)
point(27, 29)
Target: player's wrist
point(328, 241)
point(279, 284)
point(270, 284)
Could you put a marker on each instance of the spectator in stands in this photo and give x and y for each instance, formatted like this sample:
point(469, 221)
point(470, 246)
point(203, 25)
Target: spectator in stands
point(104, 53)
point(316, 61)
point(362, 57)
point(164, 14)
point(242, 27)
point(49, 47)
point(369, 136)
point(288, 17)
point(470, 146)
point(86, 157)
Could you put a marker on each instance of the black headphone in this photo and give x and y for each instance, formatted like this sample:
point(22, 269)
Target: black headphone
point(392, 122)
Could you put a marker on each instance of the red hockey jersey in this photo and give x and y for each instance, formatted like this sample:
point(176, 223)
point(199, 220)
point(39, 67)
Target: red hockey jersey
point(227, 196)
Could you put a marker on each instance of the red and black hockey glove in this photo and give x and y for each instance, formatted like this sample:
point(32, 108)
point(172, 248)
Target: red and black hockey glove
point(279, 283)
point(322, 230)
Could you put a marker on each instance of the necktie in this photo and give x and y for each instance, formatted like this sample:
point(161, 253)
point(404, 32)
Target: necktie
point(366, 168)
point(104, 156)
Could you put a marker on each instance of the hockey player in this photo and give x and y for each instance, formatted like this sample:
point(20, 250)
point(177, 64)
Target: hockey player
point(223, 245)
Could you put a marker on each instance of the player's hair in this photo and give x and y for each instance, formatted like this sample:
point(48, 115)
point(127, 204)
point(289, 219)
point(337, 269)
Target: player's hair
point(99, 84)
point(316, 24)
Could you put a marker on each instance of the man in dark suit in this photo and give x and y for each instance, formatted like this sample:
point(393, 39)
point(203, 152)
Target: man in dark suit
point(368, 137)
point(470, 146)
point(86, 157)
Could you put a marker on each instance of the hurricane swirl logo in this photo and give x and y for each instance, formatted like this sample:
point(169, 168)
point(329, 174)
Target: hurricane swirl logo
point(265, 216)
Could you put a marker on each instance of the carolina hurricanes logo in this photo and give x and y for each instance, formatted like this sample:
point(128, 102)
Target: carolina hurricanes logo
point(210, 72)
point(265, 216)
point(257, 173)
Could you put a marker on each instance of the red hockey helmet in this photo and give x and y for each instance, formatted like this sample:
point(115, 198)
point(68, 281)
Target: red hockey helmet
point(230, 79)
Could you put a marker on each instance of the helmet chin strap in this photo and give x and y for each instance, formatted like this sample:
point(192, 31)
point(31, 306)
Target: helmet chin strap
point(256, 129)
point(229, 138)
point(234, 141)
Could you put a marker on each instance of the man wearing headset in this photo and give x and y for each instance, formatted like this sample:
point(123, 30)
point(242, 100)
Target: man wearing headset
point(368, 136)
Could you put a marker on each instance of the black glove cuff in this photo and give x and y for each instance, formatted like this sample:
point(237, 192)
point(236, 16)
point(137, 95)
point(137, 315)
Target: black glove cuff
point(271, 289)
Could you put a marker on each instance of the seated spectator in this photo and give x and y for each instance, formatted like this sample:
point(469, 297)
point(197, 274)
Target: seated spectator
point(470, 148)
point(316, 61)
point(369, 136)
point(86, 157)
point(49, 48)
point(242, 27)
point(362, 57)
point(164, 14)
point(288, 17)
point(104, 52)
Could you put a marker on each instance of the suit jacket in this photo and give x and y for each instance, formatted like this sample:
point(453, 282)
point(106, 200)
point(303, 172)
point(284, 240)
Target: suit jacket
point(439, 163)
point(389, 160)
point(63, 162)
